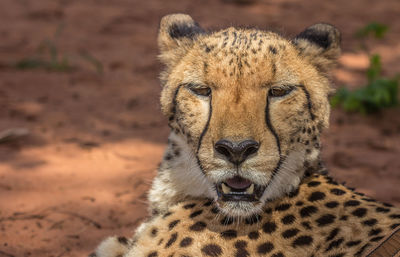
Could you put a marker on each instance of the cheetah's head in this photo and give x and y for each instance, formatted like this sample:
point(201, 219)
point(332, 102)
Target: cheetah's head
point(248, 105)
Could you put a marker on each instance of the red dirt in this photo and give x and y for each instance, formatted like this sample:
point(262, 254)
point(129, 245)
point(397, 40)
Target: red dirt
point(96, 139)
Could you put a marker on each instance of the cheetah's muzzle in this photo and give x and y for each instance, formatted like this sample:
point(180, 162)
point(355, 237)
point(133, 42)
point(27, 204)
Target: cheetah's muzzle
point(239, 189)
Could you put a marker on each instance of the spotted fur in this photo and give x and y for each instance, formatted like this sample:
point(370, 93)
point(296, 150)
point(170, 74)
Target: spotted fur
point(320, 218)
point(221, 85)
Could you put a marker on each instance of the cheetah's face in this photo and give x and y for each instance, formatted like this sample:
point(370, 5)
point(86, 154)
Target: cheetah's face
point(249, 104)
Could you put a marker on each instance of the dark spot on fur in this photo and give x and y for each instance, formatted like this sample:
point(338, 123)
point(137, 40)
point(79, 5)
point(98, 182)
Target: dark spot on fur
point(370, 222)
point(388, 204)
point(240, 244)
point(290, 233)
point(353, 243)
point(395, 216)
point(360, 212)
point(273, 50)
point(198, 226)
point(253, 219)
point(229, 234)
point(167, 214)
point(186, 242)
point(308, 211)
point(306, 225)
point(316, 196)
point(313, 183)
point(325, 220)
point(375, 232)
point(189, 206)
point(332, 204)
point(288, 219)
point(254, 235)
point(302, 240)
point(360, 252)
point(154, 232)
point(381, 209)
point(282, 207)
point(196, 213)
point(212, 250)
point(226, 221)
point(332, 234)
point(241, 249)
point(334, 244)
point(172, 224)
point(171, 240)
point(351, 203)
point(152, 254)
point(265, 248)
point(269, 227)
point(209, 203)
point(374, 239)
point(337, 191)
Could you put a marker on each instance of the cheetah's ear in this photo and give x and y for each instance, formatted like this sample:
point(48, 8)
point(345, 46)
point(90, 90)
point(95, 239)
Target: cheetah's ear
point(176, 35)
point(321, 44)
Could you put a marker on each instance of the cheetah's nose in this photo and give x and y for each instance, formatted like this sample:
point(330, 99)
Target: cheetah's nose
point(236, 152)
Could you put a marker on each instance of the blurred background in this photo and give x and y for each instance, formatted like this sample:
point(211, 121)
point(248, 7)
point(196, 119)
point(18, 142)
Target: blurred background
point(81, 132)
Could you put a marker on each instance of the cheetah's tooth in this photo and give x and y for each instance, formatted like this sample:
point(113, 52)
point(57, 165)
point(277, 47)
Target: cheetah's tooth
point(250, 190)
point(225, 189)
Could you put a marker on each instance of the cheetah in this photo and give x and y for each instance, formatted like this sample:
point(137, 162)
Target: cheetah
point(242, 173)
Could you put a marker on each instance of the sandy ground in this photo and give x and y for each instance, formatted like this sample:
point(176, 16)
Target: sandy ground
point(96, 138)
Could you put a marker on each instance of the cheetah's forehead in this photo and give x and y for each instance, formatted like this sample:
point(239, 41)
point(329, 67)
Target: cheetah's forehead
point(243, 40)
point(254, 56)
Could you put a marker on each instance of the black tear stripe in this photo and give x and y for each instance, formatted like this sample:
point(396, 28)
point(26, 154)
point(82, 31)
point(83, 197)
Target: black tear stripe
point(173, 109)
point(278, 143)
point(203, 133)
point(309, 103)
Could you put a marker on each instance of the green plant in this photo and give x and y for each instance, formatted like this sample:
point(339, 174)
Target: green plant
point(48, 57)
point(380, 92)
point(92, 60)
point(377, 29)
point(53, 61)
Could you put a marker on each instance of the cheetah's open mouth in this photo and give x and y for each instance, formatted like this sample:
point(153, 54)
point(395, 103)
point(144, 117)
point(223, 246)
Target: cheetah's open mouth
point(239, 189)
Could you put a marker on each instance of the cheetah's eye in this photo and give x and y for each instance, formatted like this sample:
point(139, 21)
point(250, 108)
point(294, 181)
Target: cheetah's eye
point(280, 91)
point(202, 91)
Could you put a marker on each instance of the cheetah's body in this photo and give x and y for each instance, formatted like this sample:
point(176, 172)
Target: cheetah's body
point(224, 91)
point(322, 218)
